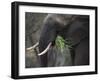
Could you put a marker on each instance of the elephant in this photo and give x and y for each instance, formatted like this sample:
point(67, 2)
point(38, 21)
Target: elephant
point(71, 27)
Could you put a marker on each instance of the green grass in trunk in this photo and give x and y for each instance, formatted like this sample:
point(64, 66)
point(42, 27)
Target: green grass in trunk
point(61, 43)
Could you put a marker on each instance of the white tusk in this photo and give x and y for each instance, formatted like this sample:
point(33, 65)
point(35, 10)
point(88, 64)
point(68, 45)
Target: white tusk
point(32, 47)
point(42, 53)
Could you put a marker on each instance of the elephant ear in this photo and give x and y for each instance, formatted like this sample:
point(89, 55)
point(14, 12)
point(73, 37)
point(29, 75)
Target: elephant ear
point(77, 32)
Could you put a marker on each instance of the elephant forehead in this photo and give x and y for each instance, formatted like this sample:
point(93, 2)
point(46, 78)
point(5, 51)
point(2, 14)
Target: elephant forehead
point(62, 19)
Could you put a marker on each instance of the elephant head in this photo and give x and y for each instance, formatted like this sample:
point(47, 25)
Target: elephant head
point(53, 25)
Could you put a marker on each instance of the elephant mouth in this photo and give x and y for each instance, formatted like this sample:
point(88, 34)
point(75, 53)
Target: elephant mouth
point(59, 43)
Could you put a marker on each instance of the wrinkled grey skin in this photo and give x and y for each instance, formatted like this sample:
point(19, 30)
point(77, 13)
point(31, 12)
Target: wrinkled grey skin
point(75, 28)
